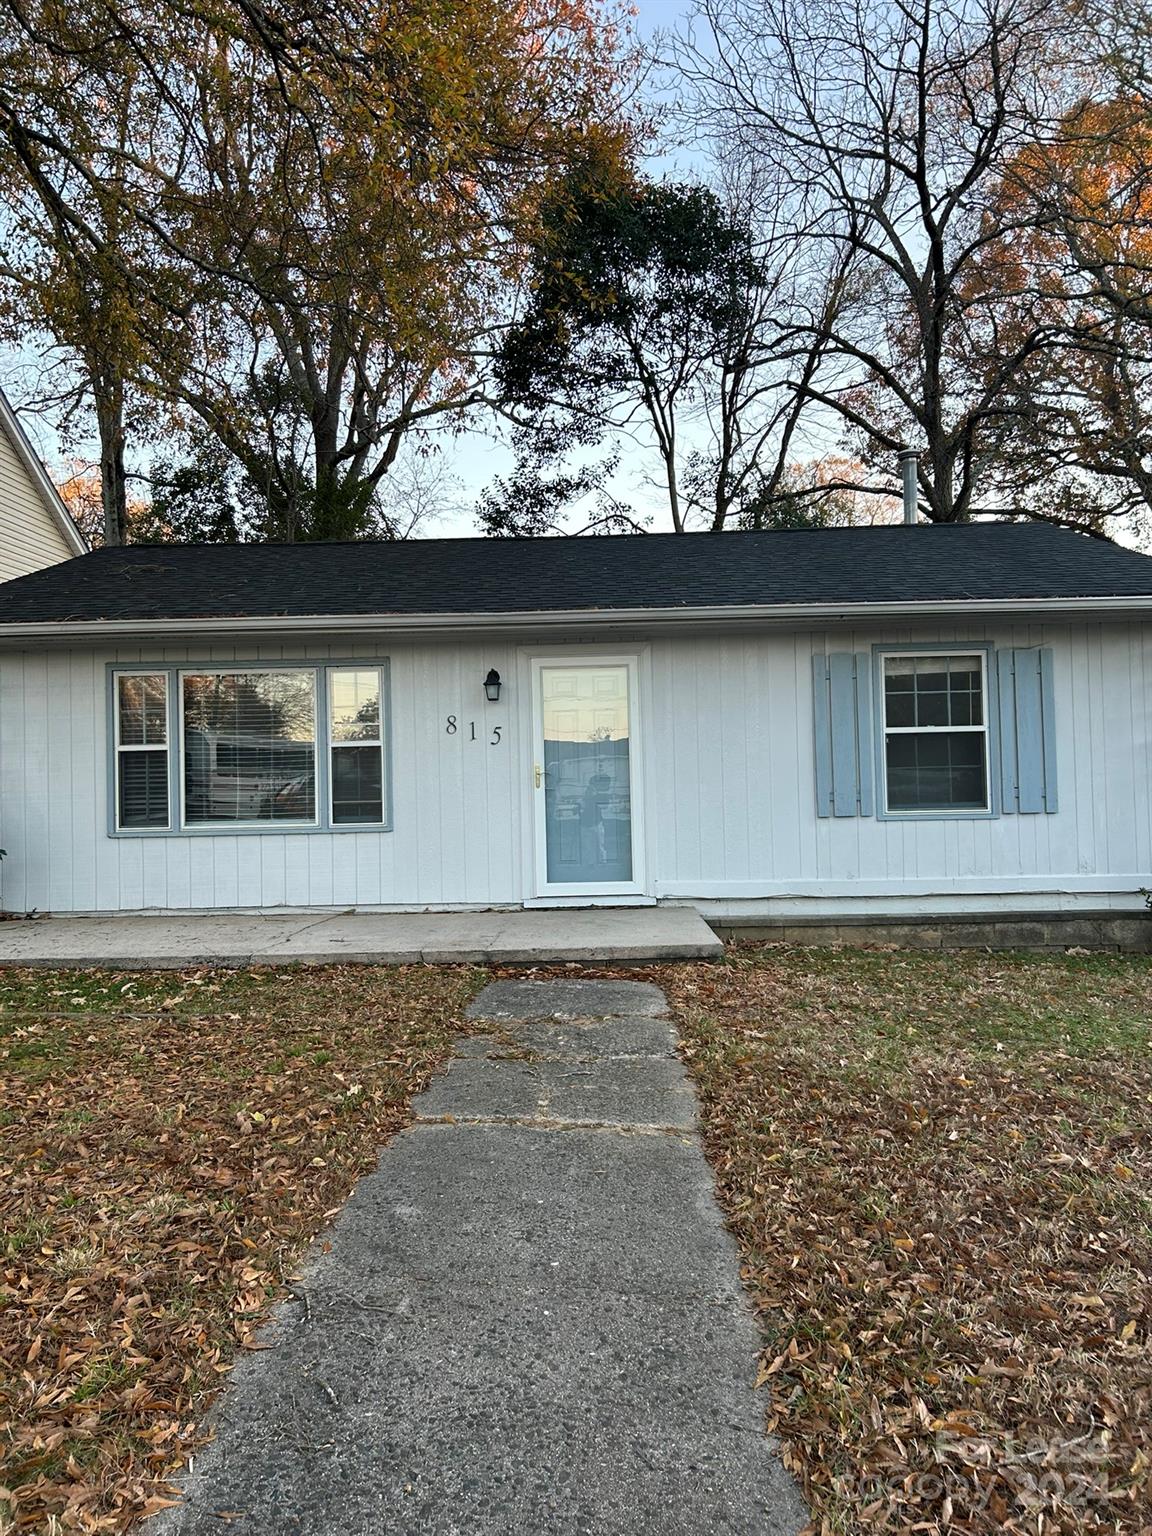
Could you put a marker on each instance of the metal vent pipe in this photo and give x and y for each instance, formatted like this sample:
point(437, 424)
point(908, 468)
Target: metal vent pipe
point(908, 459)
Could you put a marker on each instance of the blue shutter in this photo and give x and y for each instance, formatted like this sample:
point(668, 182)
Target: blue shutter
point(1027, 730)
point(842, 695)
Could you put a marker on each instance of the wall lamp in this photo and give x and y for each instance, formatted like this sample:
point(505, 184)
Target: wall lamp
point(492, 686)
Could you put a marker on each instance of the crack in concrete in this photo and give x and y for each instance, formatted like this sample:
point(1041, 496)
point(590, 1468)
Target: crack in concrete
point(538, 1058)
point(295, 932)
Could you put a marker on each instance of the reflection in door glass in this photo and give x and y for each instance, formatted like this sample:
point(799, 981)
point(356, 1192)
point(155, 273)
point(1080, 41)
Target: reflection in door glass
point(587, 787)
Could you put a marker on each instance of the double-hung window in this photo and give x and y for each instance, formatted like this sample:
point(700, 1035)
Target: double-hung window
point(355, 726)
point(256, 748)
point(142, 755)
point(936, 733)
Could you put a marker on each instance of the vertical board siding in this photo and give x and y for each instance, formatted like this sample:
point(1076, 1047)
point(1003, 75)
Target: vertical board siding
point(731, 725)
point(1140, 665)
point(712, 761)
point(1006, 708)
point(1048, 728)
point(864, 731)
point(1127, 778)
point(455, 802)
point(1102, 794)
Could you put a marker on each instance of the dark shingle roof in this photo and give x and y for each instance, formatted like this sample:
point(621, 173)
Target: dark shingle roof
point(892, 565)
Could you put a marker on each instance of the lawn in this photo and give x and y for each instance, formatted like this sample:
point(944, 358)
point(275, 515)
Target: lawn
point(168, 1145)
point(938, 1167)
point(939, 1171)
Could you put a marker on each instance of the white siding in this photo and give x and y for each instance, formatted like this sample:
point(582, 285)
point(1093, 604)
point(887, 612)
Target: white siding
point(744, 717)
point(29, 537)
point(729, 792)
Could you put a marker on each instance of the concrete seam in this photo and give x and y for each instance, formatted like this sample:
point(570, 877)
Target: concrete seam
point(541, 1123)
point(578, 1019)
point(539, 1059)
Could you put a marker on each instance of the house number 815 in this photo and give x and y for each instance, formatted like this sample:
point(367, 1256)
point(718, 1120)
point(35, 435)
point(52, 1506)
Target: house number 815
point(451, 728)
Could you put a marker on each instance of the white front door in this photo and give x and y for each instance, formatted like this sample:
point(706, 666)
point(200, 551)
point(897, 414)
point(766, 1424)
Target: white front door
point(585, 777)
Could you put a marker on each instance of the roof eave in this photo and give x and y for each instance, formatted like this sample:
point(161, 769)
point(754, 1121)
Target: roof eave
point(780, 615)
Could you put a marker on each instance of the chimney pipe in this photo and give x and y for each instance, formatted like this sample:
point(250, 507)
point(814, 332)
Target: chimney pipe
point(908, 459)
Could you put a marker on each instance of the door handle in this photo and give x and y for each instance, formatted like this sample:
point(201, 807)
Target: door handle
point(539, 775)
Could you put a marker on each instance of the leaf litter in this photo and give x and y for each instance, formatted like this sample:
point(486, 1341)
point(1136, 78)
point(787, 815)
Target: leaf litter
point(169, 1144)
point(939, 1172)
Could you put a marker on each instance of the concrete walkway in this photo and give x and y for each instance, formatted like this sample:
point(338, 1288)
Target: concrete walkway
point(528, 1321)
point(368, 938)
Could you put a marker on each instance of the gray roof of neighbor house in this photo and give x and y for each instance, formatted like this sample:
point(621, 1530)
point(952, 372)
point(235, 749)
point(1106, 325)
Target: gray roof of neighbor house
point(980, 563)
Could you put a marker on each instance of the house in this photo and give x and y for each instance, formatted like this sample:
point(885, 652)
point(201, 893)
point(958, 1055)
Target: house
point(35, 528)
point(894, 720)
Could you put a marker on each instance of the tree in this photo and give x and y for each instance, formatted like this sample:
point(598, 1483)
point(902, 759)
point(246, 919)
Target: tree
point(81, 492)
point(1078, 436)
point(818, 493)
point(321, 231)
point(652, 320)
point(63, 245)
point(884, 133)
point(536, 497)
point(201, 495)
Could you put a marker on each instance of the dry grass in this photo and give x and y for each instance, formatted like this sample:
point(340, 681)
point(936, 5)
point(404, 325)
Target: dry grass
point(168, 1145)
point(939, 1169)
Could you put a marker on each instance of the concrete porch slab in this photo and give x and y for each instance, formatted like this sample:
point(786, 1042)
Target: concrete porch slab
point(537, 936)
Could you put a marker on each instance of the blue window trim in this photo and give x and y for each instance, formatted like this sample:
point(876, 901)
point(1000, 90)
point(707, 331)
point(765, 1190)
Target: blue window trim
point(991, 718)
point(171, 670)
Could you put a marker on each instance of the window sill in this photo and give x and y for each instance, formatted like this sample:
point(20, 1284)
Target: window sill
point(222, 830)
point(986, 815)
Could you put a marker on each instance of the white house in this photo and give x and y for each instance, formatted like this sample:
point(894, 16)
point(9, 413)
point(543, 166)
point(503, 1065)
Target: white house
point(883, 720)
point(35, 528)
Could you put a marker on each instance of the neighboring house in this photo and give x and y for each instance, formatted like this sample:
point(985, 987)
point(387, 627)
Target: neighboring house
point(864, 720)
point(35, 528)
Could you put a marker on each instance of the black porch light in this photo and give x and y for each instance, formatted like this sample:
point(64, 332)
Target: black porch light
point(492, 686)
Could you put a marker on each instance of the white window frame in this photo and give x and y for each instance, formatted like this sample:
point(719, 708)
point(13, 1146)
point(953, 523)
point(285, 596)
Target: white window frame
point(941, 654)
point(120, 747)
point(359, 741)
point(323, 745)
